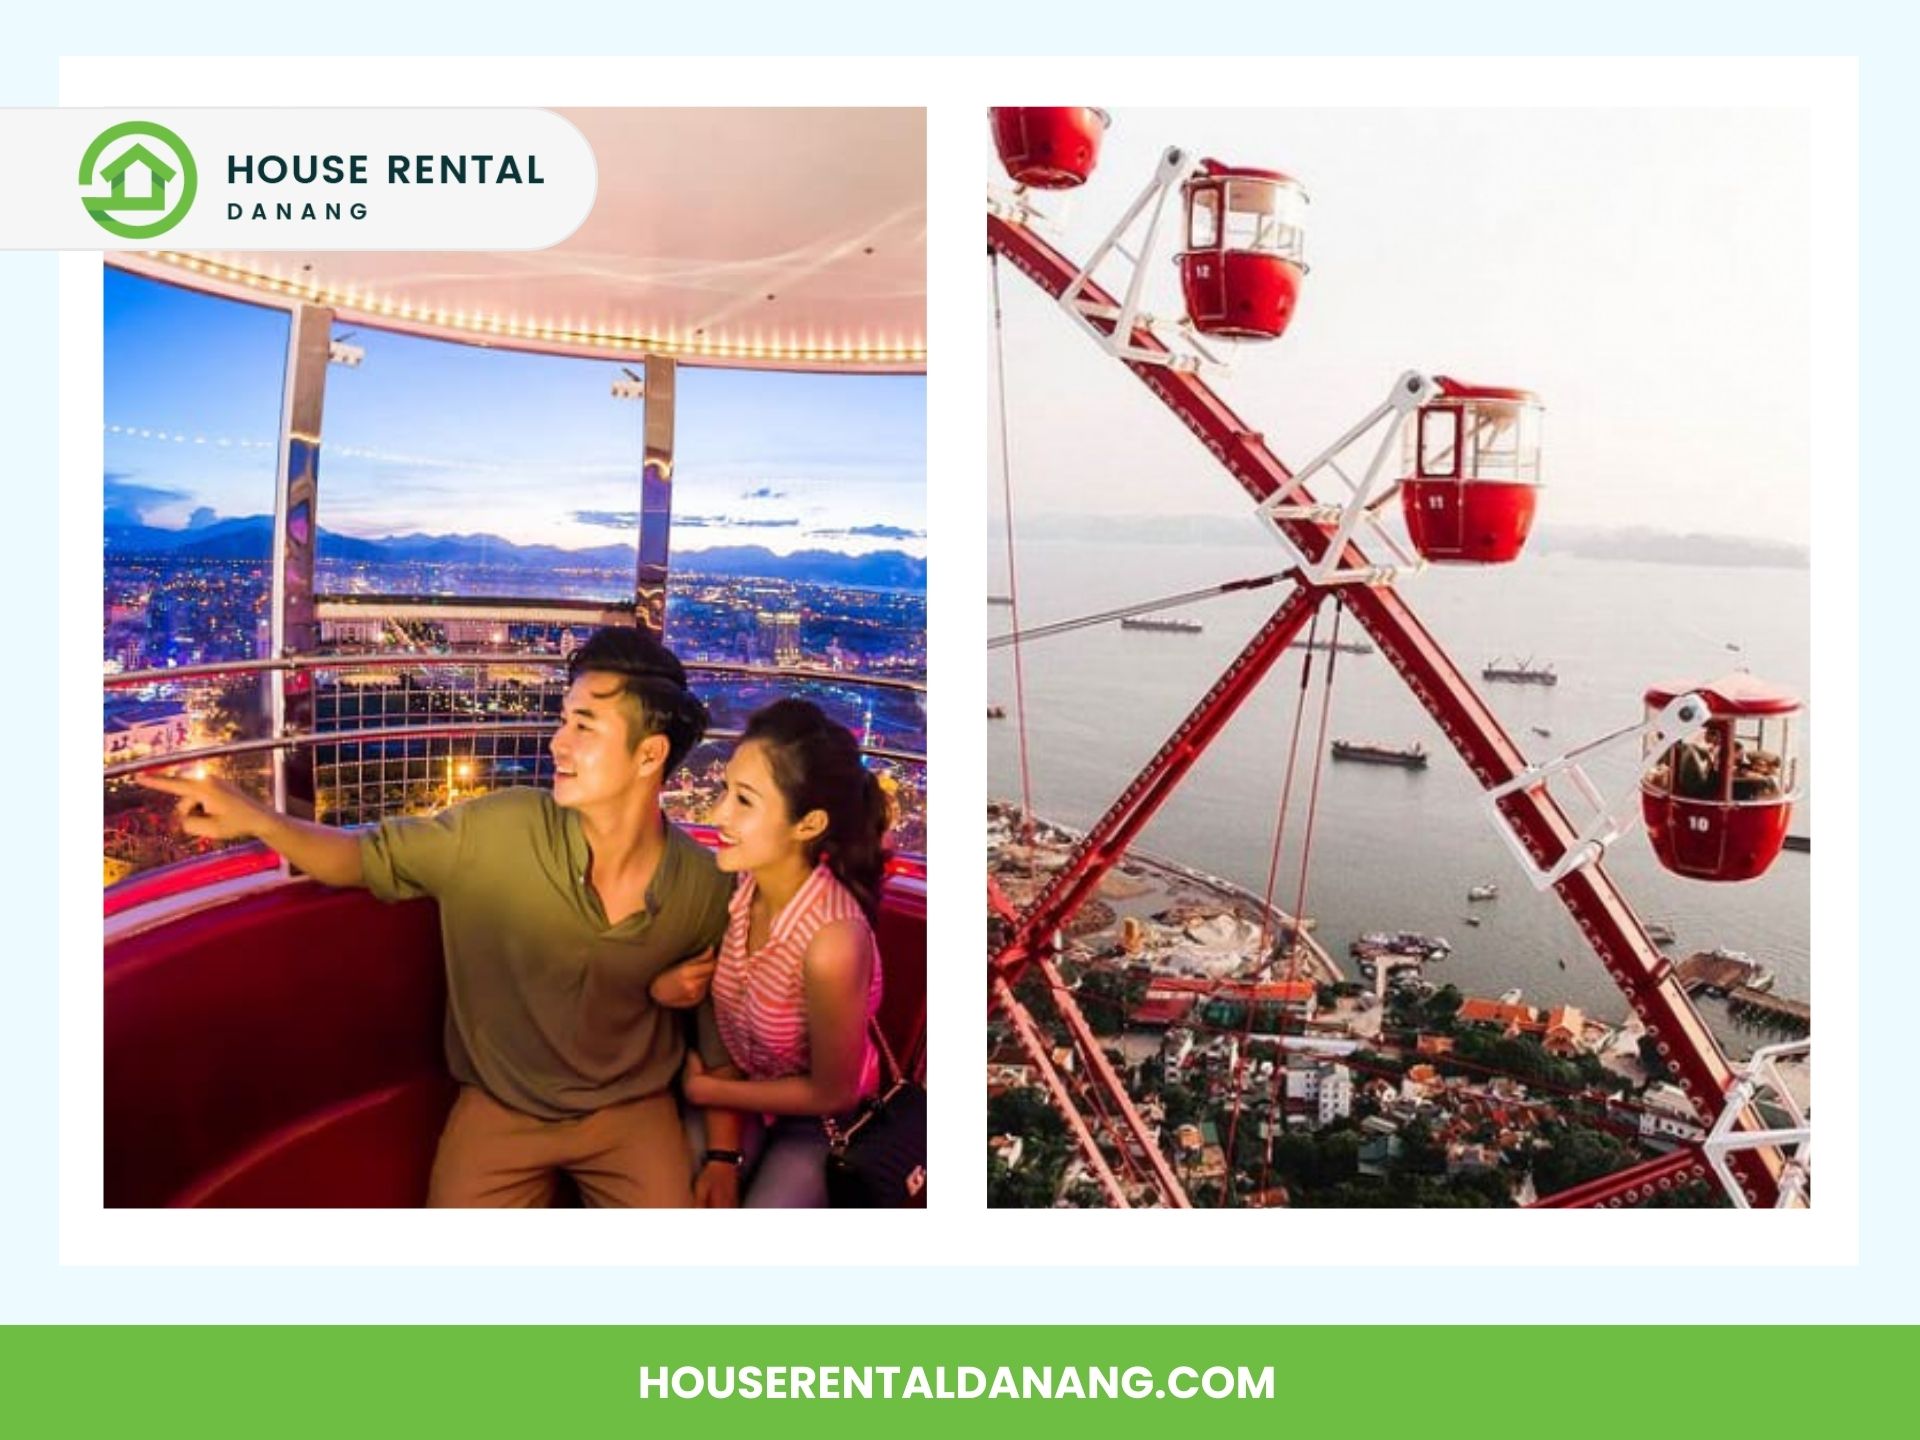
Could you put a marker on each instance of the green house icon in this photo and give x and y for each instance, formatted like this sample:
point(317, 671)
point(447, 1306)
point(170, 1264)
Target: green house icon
point(159, 176)
point(142, 198)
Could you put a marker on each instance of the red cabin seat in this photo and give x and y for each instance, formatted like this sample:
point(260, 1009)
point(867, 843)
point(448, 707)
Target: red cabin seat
point(280, 1049)
point(285, 1048)
point(901, 936)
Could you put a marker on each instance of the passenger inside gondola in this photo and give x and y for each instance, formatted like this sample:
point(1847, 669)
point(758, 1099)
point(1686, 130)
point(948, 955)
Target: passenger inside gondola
point(797, 991)
point(1696, 769)
point(1756, 773)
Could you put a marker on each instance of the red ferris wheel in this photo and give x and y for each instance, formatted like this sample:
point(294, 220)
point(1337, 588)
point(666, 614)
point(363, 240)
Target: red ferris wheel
point(1461, 465)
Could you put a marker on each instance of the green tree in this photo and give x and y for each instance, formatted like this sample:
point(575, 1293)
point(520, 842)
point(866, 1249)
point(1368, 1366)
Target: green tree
point(1577, 1154)
point(1442, 1006)
point(1025, 1188)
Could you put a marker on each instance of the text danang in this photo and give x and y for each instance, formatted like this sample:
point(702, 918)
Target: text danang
point(401, 169)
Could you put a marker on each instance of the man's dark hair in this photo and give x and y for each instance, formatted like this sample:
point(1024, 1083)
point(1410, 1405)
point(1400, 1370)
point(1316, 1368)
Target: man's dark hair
point(653, 677)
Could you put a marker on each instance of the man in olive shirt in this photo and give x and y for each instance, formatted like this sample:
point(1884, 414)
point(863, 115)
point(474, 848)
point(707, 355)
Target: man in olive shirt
point(561, 916)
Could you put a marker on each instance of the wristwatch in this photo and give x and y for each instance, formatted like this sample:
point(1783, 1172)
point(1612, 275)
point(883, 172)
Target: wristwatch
point(726, 1157)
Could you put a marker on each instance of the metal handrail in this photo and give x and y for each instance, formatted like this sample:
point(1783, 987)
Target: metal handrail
point(270, 744)
point(132, 679)
point(599, 612)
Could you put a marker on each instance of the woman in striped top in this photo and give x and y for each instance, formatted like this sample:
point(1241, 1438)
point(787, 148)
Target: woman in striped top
point(798, 980)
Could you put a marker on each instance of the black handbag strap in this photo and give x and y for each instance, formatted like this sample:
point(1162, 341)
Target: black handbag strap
point(894, 1073)
point(892, 1077)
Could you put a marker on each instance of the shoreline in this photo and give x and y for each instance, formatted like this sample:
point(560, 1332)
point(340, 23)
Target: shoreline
point(1176, 877)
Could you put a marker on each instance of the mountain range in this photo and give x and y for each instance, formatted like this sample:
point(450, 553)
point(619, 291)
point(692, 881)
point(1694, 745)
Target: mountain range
point(1638, 543)
point(250, 537)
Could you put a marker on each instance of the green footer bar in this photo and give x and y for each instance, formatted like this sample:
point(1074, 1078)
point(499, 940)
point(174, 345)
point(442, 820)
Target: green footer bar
point(797, 1381)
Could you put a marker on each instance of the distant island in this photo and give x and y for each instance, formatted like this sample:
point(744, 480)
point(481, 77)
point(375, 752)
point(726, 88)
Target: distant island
point(1662, 547)
point(1636, 543)
point(250, 537)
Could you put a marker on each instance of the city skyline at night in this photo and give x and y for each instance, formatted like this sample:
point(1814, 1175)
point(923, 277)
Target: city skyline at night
point(456, 472)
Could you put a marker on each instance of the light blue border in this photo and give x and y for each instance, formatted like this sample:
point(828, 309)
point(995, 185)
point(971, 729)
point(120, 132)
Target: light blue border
point(33, 1288)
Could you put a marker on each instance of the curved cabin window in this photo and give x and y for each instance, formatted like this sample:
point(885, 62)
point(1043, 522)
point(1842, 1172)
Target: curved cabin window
point(502, 488)
point(191, 389)
point(479, 517)
point(799, 544)
point(1439, 442)
point(476, 519)
point(1203, 219)
point(1502, 441)
point(1763, 765)
point(1265, 217)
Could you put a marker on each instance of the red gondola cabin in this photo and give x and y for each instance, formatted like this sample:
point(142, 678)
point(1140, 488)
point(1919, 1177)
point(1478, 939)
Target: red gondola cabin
point(1049, 147)
point(1473, 474)
point(1717, 806)
point(1244, 259)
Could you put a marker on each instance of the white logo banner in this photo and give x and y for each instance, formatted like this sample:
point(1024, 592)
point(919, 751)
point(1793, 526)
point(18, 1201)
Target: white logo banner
point(250, 180)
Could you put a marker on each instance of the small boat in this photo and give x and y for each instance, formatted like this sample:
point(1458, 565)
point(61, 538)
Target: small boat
point(1512, 997)
point(1471, 919)
point(1658, 933)
point(1488, 891)
point(1542, 731)
point(1563, 962)
point(1168, 627)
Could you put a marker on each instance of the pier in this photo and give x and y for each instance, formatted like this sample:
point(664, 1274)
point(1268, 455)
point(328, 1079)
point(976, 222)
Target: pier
point(1791, 1015)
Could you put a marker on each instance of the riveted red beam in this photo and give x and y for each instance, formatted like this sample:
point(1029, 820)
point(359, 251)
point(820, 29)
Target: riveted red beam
point(1101, 1076)
point(1633, 1185)
point(1606, 920)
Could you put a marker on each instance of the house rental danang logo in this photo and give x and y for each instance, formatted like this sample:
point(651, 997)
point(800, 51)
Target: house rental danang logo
point(148, 175)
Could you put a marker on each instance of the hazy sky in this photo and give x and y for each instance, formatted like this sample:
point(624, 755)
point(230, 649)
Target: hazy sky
point(446, 438)
point(1646, 272)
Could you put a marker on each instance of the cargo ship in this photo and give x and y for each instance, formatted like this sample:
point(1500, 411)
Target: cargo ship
point(1345, 647)
point(1170, 627)
point(1522, 672)
point(1407, 944)
point(1411, 757)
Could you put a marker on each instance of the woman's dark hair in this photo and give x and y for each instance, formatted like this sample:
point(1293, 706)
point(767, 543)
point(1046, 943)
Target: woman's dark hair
point(652, 677)
point(816, 765)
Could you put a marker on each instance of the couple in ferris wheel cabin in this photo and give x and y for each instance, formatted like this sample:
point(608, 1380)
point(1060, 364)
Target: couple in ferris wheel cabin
point(605, 972)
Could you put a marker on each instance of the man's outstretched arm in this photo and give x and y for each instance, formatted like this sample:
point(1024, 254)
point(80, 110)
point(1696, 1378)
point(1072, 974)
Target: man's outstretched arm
point(215, 810)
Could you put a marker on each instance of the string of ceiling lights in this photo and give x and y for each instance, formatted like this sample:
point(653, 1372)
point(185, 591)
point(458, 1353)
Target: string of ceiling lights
point(481, 325)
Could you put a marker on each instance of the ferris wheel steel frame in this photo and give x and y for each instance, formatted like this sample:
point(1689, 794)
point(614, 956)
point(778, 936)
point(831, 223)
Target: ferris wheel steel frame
point(1606, 920)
